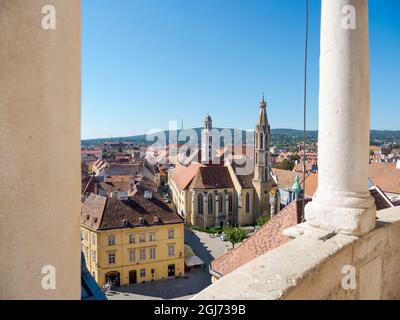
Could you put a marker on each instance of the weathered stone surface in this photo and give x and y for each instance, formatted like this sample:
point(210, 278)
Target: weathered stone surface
point(309, 268)
point(342, 202)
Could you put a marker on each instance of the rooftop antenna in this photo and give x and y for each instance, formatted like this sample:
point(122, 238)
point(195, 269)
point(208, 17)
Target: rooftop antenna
point(305, 112)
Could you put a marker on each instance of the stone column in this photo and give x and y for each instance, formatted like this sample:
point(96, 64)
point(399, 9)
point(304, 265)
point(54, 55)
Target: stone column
point(342, 201)
point(40, 83)
point(227, 211)
point(205, 216)
point(193, 204)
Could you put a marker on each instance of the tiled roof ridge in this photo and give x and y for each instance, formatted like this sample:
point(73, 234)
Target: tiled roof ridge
point(265, 226)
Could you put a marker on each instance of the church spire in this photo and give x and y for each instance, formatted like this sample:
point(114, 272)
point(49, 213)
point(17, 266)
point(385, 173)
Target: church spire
point(262, 161)
point(263, 120)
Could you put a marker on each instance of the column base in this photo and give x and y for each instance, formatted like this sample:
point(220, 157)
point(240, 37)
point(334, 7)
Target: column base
point(357, 219)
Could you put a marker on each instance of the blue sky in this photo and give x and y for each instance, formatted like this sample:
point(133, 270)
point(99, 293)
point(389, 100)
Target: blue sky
point(146, 62)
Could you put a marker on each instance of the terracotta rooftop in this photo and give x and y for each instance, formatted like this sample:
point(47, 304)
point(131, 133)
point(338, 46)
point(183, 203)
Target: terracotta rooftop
point(267, 238)
point(183, 175)
point(381, 199)
point(245, 180)
point(311, 185)
point(212, 177)
point(101, 213)
point(375, 148)
point(386, 176)
point(122, 170)
point(286, 178)
point(110, 187)
point(300, 166)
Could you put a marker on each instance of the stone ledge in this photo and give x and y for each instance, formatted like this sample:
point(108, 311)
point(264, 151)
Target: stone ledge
point(308, 267)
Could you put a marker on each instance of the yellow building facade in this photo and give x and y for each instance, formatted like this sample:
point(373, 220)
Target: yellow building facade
point(134, 255)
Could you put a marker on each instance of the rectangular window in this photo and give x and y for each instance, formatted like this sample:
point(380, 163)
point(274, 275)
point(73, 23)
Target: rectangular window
point(171, 234)
point(171, 250)
point(132, 255)
point(142, 273)
point(86, 252)
point(111, 241)
point(142, 254)
point(93, 256)
point(111, 258)
point(93, 239)
point(142, 238)
point(152, 253)
point(132, 238)
point(152, 237)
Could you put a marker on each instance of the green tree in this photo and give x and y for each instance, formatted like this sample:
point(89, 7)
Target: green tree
point(235, 235)
point(262, 220)
point(285, 165)
point(294, 157)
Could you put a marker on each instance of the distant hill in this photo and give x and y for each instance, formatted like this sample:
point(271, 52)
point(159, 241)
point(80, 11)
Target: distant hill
point(278, 137)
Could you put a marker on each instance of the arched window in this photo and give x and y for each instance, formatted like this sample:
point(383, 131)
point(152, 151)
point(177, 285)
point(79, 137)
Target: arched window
point(200, 204)
point(261, 141)
point(247, 202)
point(230, 202)
point(221, 203)
point(210, 204)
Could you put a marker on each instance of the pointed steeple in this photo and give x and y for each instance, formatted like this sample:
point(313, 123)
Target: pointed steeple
point(263, 120)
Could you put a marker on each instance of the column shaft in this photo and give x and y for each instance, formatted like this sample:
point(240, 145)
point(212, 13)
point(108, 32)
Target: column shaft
point(342, 201)
point(40, 83)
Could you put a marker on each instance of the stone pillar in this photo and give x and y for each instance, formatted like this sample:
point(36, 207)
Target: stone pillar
point(205, 217)
point(342, 201)
point(217, 204)
point(193, 204)
point(226, 205)
point(40, 81)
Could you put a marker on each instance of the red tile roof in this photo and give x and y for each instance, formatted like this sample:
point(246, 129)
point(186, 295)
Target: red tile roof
point(381, 200)
point(386, 176)
point(265, 239)
point(183, 176)
point(102, 213)
point(286, 178)
point(212, 177)
point(311, 185)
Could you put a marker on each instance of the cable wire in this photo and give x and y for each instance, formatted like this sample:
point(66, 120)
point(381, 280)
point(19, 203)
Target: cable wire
point(305, 109)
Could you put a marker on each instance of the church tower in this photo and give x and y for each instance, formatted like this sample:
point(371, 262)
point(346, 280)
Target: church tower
point(207, 141)
point(262, 166)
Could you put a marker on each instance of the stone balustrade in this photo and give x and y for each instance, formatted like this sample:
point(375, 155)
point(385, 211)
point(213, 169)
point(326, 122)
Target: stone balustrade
point(320, 265)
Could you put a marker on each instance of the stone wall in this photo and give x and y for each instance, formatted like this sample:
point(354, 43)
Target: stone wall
point(317, 265)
